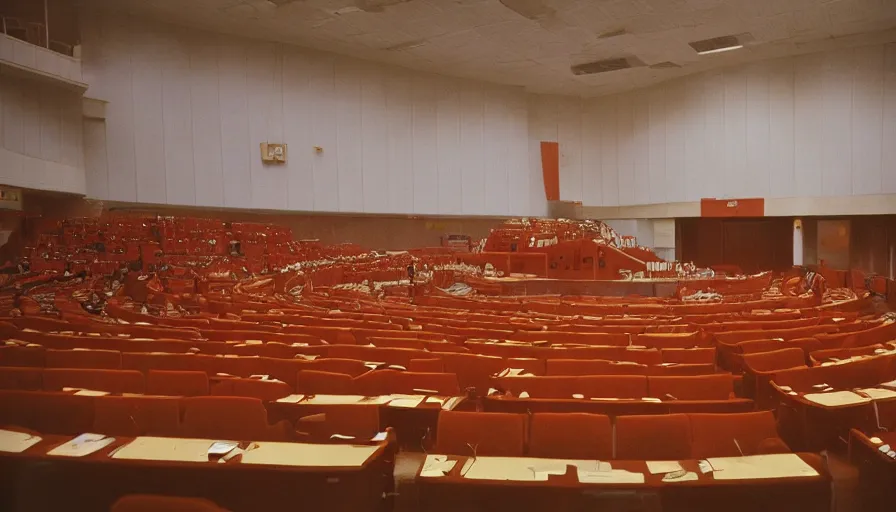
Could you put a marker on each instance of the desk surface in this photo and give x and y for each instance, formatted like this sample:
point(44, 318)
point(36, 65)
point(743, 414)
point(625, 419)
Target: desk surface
point(790, 467)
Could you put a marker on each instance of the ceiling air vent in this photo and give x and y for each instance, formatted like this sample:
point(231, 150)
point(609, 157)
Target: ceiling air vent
point(720, 44)
point(603, 66)
point(665, 65)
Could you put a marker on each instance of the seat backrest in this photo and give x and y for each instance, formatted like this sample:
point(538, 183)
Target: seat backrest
point(540, 387)
point(313, 382)
point(714, 435)
point(612, 386)
point(145, 362)
point(151, 503)
point(577, 367)
point(426, 365)
point(176, 383)
point(689, 355)
point(358, 420)
point(224, 417)
point(648, 437)
point(764, 362)
point(23, 356)
point(137, 416)
point(571, 436)
point(112, 381)
point(21, 378)
point(490, 433)
point(699, 387)
point(336, 365)
point(100, 359)
point(62, 413)
point(265, 390)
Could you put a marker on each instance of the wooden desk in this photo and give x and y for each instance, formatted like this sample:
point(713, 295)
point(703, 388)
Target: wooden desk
point(274, 476)
point(612, 407)
point(525, 483)
point(877, 471)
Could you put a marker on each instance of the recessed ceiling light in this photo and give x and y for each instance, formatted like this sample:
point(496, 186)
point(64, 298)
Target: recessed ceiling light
point(717, 44)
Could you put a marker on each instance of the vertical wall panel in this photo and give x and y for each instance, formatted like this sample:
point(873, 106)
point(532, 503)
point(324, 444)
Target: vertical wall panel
point(676, 129)
point(400, 131)
point(714, 130)
point(624, 150)
point(808, 102)
point(696, 173)
point(220, 159)
point(13, 101)
point(265, 110)
point(323, 122)
point(640, 143)
point(374, 139)
point(757, 133)
point(297, 103)
point(50, 125)
point(149, 121)
point(116, 75)
point(349, 156)
point(519, 181)
point(177, 113)
point(781, 129)
point(472, 171)
point(495, 133)
point(735, 146)
point(593, 119)
point(867, 120)
point(656, 148)
point(425, 146)
point(609, 168)
point(448, 148)
point(888, 159)
point(569, 135)
point(836, 123)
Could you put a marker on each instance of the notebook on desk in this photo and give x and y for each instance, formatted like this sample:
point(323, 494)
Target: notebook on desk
point(308, 455)
point(16, 442)
point(751, 467)
point(165, 449)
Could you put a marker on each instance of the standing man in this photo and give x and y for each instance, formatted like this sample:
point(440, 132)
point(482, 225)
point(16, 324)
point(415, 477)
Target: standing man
point(411, 281)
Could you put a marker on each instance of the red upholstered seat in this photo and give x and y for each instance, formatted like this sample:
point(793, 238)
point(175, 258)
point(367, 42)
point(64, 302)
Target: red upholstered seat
point(661, 437)
point(61, 413)
point(112, 381)
point(612, 386)
point(224, 417)
point(352, 367)
point(571, 436)
point(701, 387)
point(177, 383)
point(145, 362)
point(23, 356)
point(266, 390)
point(760, 367)
point(137, 416)
point(713, 435)
point(540, 387)
point(150, 503)
point(312, 382)
point(21, 378)
point(426, 365)
point(689, 355)
point(108, 359)
point(492, 433)
point(384, 382)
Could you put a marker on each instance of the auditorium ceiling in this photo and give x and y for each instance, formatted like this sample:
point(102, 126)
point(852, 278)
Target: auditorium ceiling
point(534, 43)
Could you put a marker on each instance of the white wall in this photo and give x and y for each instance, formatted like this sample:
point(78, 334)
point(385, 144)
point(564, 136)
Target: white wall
point(810, 126)
point(40, 143)
point(187, 111)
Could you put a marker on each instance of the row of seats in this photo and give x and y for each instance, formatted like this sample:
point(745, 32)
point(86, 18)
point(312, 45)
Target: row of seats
point(198, 383)
point(211, 417)
point(593, 436)
point(704, 387)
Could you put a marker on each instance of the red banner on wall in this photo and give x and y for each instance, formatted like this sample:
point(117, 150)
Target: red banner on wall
point(550, 169)
point(750, 207)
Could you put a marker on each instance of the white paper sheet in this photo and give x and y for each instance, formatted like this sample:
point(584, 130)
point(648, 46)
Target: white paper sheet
point(90, 392)
point(308, 455)
point(435, 400)
point(656, 467)
point(406, 403)
point(437, 466)
point(165, 449)
point(333, 399)
point(85, 444)
point(526, 469)
point(615, 476)
point(878, 393)
point(451, 403)
point(291, 399)
point(777, 465)
point(687, 477)
point(16, 442)
point(836, 398)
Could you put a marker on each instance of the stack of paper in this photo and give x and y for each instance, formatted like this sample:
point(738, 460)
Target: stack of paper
point(406, 401)
point(656, 467)
point(16, 442)
point(85, 444)
point(451, 403)
point(436, 466)
point(614, 476)
point(291, 399)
